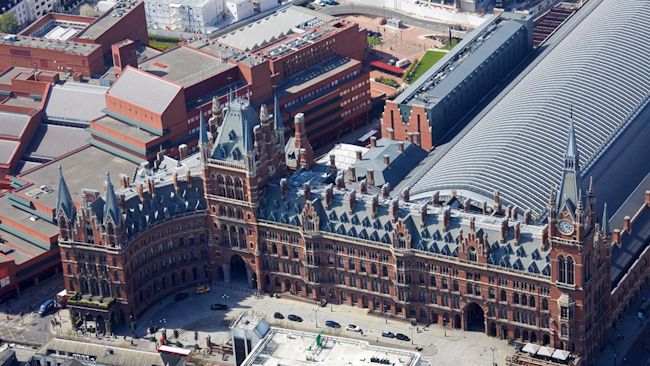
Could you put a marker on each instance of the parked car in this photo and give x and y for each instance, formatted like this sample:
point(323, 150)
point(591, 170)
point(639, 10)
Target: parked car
point(332, 324)
point(278, 315)
point(218, 307)
point(202, 289)
point(402, 337)
point(387, 334)
point(181, 296)
point(46, 307)
point(294, 318)
point(353, 328)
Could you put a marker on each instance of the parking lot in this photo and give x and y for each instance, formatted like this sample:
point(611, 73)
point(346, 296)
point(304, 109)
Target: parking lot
point(194, 320)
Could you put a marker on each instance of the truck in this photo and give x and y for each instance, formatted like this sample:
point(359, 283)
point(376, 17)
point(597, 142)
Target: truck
point(61, 299)
point(403, 63)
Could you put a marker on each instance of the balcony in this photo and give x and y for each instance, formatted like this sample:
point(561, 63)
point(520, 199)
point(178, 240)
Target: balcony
point(90, 301)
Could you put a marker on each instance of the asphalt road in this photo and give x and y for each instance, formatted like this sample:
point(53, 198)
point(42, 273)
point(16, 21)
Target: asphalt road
point(343, 9)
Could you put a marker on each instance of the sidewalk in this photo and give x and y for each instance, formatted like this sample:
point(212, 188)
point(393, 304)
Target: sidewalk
point(628, 330)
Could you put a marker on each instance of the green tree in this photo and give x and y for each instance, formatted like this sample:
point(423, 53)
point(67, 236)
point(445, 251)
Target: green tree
point(8, 23)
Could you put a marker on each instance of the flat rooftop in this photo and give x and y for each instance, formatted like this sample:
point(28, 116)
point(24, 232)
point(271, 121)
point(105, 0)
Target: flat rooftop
point(274, 27)
point(293, 348)
point(224, 51)
point(75, 102)
point(46, 144)
point(108, 19)
point(13, 124)
point(17, 249)
point(83, 169)
point(185, 66)
point(74, 48)
point(125, 129)
point(145, 90)
point(23, 101)
point(7, 150)
point(317, 73)
point(8, 209)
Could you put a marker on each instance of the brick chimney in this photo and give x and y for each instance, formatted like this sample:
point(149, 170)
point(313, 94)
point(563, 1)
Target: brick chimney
point(647, 198)
point(386, 160)
point(124, 54)
point(124, 181)
point(406, 194)
point(616, 236)
point(284, 188)
point(385, 190)
point(352, 175)
point(359, 155)
point(400, 146)
point(307, 190)
point(370, 177)
point(340, 182)
point(182, 151)
point(302, 142)
point(329, 194)
point(391, 133)
point(373, 141)
point(627, 224)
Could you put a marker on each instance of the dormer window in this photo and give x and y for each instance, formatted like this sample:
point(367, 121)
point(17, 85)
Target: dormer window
point(232, 135)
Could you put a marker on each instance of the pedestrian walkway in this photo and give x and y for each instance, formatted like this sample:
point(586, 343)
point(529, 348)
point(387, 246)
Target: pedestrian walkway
point(624, 336)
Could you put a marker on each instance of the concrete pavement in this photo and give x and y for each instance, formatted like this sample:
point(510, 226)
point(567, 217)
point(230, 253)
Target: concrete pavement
point(194, 321)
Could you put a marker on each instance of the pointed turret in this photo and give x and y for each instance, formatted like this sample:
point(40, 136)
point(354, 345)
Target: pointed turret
point(64, 204)
point(604, 226)
point(277, 120)
point(571, 173)
point(203, 131)
point(111, 206)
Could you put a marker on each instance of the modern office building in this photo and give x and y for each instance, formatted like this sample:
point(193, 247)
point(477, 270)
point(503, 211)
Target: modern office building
point(427, 112)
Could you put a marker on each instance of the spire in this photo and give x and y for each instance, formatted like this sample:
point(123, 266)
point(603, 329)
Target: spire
point(604, 227)
point(277, 115)
point(203, 131)
point(64, 203)
point(571, 172)
point(248, 136)
point(111, 207)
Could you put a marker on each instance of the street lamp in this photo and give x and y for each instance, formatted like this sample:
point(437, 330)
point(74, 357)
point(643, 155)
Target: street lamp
point(316, 317)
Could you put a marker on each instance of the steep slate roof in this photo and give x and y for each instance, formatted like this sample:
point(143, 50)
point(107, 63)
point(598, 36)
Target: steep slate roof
point(235, 135)
point(166, 203)
point(145, 90)
point(598, 62)
point(528, 255)
point(399, 165)
point(64, 201)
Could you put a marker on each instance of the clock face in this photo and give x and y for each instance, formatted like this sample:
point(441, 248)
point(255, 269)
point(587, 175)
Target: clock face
point(566, 227)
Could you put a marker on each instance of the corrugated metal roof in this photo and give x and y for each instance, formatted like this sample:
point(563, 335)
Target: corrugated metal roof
point(599, 62)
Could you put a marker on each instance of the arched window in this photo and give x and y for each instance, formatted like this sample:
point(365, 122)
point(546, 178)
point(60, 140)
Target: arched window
point(569, 271)
point(472, 254)
point(384, 271)
point(524, 300)
point(561, 268)
point(544, 304)
point(531, 301)
point(470, 288)
point(503, 313)
point(477, 289)
point(274, 249)
point(564, 330)
point(239, 189)
point(504, 295)
point(373, 268)
point(455, 285)
point(515, 298)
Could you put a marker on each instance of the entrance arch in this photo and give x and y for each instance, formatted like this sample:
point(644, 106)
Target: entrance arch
point(474, 318)
point(238, 269)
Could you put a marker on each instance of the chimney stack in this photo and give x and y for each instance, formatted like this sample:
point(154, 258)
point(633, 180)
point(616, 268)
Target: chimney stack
point(446, 218)
point(140, 189)
point(485, 206)
point(385, 190)
point(394, 209)
point(352, 199)
point(435, 199)
point(307, 191)
point(391, 133)
point(329, 194)
point(497, 202)
point(424, 210)
point(472, 224)
point(647, 198)
point(332, 162)
point(370, 177)
point(284, 188)
point(517, 233)
point(616, 236)
point(386, 159)
point(151, 186)
point(504, 230)
point(400, 146)
point(359, 155)
point(182, 151)
point(188, 178)
point(340, 182)
point(627, 224)
point(124, 181)
point(467, 204)
point(375, 205)
point(373, 141)
point(352, 175)
point(363, 188)
point(527, 217)
point(406, 194)
point(175, 181)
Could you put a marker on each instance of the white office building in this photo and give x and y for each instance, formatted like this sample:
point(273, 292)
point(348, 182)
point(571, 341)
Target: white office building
point(27, 11)
point(192, 16)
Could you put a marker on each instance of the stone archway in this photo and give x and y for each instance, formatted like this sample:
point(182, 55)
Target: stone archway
point(235, 270)
point(474, 317)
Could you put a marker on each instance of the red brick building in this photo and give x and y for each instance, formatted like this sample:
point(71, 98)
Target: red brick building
point(75, 44)
point(314, 235)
